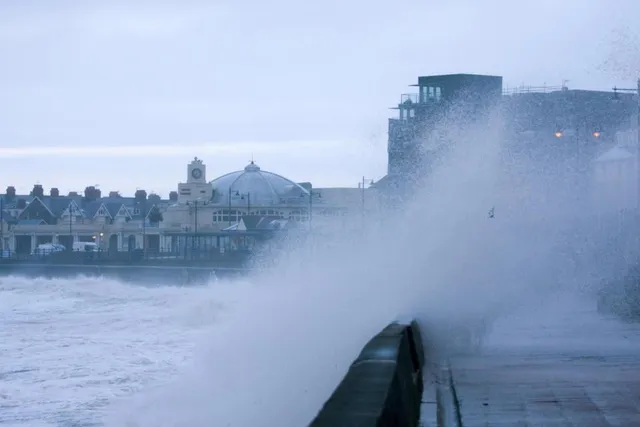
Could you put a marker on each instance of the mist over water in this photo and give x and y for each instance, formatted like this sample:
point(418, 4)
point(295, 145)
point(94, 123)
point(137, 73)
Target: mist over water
point(288, 336)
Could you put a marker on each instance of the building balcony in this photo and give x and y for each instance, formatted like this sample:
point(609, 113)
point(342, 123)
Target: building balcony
point(409, 98)
point(421, 99)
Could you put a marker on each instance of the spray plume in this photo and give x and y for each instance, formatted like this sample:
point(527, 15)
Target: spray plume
point(288, 335)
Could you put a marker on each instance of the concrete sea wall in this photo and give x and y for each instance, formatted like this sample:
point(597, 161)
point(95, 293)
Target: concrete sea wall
point(383, 386)
point(153, 274)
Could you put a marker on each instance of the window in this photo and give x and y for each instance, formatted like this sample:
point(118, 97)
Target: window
point(269, 212)
point(430, 93)
point(412, 112)
point(330, 212)
point(298, 215)
point(227, 216)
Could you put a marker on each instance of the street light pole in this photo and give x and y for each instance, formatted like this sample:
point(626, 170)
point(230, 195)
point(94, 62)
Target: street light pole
point(362, 200)
point(195, 225)
point(195, 203)
point(229, 211)
point(195, 236)
point(310, 196)
point(1, 226)
point(70, 228)
point(242, 196)
point(363, 195)
point(637, 92)
point(638, 144)
point(144, 228)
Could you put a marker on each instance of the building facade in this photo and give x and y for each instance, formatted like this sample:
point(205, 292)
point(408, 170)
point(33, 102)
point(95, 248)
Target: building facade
point(616, 176)
point(418, 136)
point(115, 223)
point(219, 204)
point(213, 214)
point(557, 130)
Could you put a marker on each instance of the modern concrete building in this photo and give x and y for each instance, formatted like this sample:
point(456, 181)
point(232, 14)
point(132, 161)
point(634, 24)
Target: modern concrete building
point(419, 136)
point(559, 131)
point(456, 99)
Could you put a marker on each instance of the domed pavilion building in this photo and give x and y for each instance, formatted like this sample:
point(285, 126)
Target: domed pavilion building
point(218, 209)
point(215, 205)
point(253, 191)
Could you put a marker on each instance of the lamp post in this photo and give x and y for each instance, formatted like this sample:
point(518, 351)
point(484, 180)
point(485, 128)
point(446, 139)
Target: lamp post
point(144, 227)
point(195, 203)
point(237, 193)
point(229, 211)
point(637, 92)
point(362, 185)
point(242, 196)
point(560, 133)
point(2, 245)
point(71, 210)
point(310, 194)
point(595, 133)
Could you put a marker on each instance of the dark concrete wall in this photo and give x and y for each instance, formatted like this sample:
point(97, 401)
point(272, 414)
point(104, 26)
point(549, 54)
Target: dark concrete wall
point(130, 273)
point(383, 386)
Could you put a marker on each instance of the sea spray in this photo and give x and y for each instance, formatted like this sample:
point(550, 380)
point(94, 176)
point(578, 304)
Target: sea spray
point(287, 338)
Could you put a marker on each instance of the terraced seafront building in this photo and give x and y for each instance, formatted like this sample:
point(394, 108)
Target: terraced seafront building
point(225, 214)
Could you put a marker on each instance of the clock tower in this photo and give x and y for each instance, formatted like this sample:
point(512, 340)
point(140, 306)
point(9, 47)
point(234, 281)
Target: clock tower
point(196, 187)
point(196, 171)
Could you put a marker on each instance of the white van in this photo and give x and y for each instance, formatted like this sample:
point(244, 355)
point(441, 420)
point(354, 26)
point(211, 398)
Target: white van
point(85, 247)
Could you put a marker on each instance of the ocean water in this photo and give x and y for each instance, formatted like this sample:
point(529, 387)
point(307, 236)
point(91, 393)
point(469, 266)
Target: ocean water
point(96, 352)
point(70, 348)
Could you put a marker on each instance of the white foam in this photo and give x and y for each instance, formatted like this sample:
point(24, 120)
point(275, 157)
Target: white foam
point(68, 347)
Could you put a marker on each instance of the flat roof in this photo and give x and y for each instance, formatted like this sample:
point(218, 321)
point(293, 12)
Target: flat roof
point(458, 75)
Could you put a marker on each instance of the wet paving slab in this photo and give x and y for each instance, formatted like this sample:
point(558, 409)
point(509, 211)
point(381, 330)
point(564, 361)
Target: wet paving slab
point(562, 365)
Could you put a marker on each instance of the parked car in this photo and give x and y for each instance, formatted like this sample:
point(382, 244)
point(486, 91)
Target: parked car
point(48, 248)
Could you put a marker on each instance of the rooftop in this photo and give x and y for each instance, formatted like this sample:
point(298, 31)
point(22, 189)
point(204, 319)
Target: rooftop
point(256, 186)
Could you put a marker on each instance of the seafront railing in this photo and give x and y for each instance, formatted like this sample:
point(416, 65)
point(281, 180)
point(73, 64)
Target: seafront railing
point(206, 256)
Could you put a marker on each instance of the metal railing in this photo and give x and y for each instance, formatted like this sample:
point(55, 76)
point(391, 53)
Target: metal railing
point(519, 90)
point(176, 256)
point(409, 98)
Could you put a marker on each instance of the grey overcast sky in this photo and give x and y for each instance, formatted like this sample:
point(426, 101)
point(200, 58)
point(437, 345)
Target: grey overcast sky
point(124, 93)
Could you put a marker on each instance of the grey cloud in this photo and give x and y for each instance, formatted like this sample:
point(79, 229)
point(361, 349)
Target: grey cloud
point(140, 72)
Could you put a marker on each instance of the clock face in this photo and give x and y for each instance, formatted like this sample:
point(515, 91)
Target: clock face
point(196, 173)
